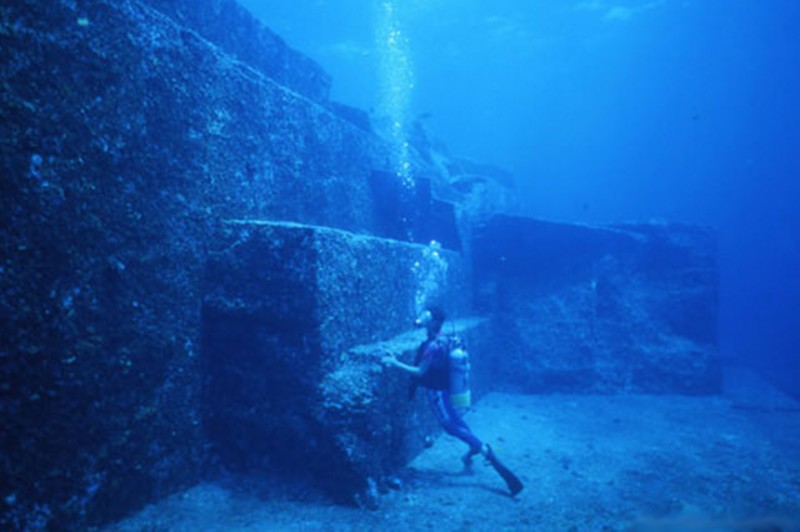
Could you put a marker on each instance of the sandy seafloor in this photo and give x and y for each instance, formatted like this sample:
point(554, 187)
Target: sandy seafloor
point(623, 462)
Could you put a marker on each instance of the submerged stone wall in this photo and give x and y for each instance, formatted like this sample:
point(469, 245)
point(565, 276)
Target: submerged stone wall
point(124, 139)
point(609, 309)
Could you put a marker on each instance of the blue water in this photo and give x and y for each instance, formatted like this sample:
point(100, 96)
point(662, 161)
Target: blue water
point(609, 110)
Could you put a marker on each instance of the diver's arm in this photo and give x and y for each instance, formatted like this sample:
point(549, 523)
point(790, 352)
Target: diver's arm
point(417, 371)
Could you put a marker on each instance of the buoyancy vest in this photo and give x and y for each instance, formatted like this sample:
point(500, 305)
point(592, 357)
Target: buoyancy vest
point(448, 369)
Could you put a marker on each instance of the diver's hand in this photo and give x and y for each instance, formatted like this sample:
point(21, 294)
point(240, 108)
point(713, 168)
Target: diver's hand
point(389, 360)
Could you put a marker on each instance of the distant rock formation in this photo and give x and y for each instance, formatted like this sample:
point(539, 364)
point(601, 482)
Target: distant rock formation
point(600, 309)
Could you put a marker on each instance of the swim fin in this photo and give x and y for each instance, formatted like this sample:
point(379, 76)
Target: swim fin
point(514, 484)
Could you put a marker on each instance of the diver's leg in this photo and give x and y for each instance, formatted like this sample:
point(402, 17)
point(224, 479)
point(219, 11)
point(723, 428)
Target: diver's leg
point(452, 422)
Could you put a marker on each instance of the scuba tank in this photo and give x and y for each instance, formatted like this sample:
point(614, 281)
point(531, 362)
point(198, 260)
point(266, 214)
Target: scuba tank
point(459, 375)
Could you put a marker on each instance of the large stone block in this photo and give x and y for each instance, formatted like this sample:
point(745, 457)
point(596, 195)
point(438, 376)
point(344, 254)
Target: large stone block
point(350, 288)
point(627, 308)
point(286, 387)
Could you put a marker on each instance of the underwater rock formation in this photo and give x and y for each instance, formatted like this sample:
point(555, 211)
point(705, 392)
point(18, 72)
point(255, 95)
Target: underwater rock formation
point(124, 138)
point(129, 132)
point(600, 309)
point(295, 320)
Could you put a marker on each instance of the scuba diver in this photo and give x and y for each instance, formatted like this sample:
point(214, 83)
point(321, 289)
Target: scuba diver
point(441, 366)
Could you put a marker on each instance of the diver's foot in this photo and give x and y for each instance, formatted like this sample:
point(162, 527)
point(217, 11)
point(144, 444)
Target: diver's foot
point(467, 459)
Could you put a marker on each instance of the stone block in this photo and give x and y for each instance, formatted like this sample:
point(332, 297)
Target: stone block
point(286, 388)
point(583, 309)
